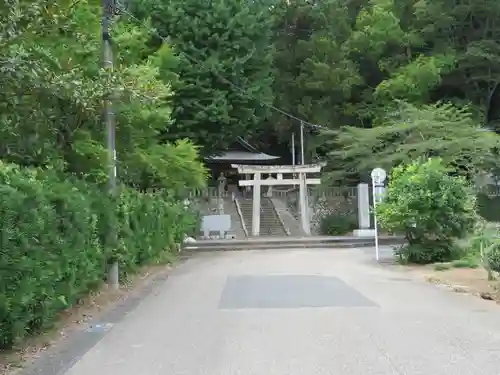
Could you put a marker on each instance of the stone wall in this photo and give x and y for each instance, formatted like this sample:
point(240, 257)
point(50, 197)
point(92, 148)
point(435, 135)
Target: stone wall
point(341, 201)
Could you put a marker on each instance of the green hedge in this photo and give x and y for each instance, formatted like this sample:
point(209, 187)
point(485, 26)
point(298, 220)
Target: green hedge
point(55, 243)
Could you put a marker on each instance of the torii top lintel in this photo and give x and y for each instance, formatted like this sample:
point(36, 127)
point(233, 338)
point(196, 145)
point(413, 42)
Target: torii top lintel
point(306, 168)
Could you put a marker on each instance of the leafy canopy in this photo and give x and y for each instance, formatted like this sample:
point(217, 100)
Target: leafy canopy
point(215, 41)
point(349, 72)
point(52, 90)
point(409, 132)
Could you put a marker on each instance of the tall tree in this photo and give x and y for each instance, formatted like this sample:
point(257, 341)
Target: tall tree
point(438, 130)
point(219, 43)
point(52, 90)
point(314, 76)
point(422, 53)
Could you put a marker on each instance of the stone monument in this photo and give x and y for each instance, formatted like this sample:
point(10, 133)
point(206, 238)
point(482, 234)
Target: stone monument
point(221, 186)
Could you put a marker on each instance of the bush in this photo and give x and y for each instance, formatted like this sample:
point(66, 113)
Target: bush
point(430, 207)
point(54, 243)
point(336, 225)
point(493, 256)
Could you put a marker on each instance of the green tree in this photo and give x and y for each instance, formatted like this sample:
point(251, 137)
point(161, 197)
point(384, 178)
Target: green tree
point(409, 132)
point(55, 213)
point(315, 79)
point(426, 51)
point(53, 85)
point(214, 39)
point(430, 208)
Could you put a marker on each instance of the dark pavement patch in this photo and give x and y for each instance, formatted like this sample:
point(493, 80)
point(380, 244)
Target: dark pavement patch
point(288, 292)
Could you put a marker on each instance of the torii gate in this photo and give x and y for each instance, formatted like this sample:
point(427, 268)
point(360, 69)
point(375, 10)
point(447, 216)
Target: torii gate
point(302, 181)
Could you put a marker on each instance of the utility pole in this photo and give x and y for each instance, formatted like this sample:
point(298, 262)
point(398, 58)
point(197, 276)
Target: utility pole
point(108, 10)
point(302, 161)
point(293, 148)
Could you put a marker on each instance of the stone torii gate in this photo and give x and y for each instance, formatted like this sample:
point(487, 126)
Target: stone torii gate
point(279, 170)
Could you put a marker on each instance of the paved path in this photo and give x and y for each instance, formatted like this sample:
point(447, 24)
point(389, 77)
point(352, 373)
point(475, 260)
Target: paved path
point(298, 312)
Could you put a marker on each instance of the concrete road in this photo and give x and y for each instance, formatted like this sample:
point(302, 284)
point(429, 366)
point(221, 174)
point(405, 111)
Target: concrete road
point(298, 312)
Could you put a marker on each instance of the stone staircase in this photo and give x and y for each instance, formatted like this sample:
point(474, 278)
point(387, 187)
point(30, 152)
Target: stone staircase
point(246, 212)
point(270, 224)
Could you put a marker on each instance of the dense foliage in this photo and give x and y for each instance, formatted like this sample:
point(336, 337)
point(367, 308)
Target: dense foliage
point(351, 70)
point(55, 214)
point(364, 64)
point(436, 130)
point(430, 207)
point(484, 244)
point(335, 224)
point(387, 81)
point(215, 41)
point(52, 89)
point(493, 256)
point(54, 246)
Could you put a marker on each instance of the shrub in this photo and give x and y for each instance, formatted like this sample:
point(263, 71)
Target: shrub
point(430, 207)
point(54, 245)
point(336, 225)
point(493, 256)
point(485, 237)
point(427, 253)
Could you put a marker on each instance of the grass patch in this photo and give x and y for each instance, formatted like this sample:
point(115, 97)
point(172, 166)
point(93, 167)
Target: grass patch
point(442, 266)
point(465, 263)
point(468, 262)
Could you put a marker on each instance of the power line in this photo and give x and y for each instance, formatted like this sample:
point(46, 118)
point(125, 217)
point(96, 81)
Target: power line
point(225, 80)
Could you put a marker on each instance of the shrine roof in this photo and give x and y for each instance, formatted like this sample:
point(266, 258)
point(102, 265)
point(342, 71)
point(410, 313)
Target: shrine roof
point(239, 151)
point(242, 156)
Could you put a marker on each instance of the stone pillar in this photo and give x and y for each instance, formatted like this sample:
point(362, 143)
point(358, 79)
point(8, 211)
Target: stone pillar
point(363, 206)
point(256, 205)
point(364, 212)
point(221, 184)
point(304, 217)
point(269, 193)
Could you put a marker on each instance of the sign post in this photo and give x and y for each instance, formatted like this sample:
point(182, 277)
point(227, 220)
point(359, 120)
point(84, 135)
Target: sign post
point(378, 176)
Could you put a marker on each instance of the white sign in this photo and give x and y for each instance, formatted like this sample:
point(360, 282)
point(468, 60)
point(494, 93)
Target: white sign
point(215, 223)
point(378, 175)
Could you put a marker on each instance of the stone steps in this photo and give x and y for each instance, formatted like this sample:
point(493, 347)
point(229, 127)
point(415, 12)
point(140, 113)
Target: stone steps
point(246, 212)
point(270, 225)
